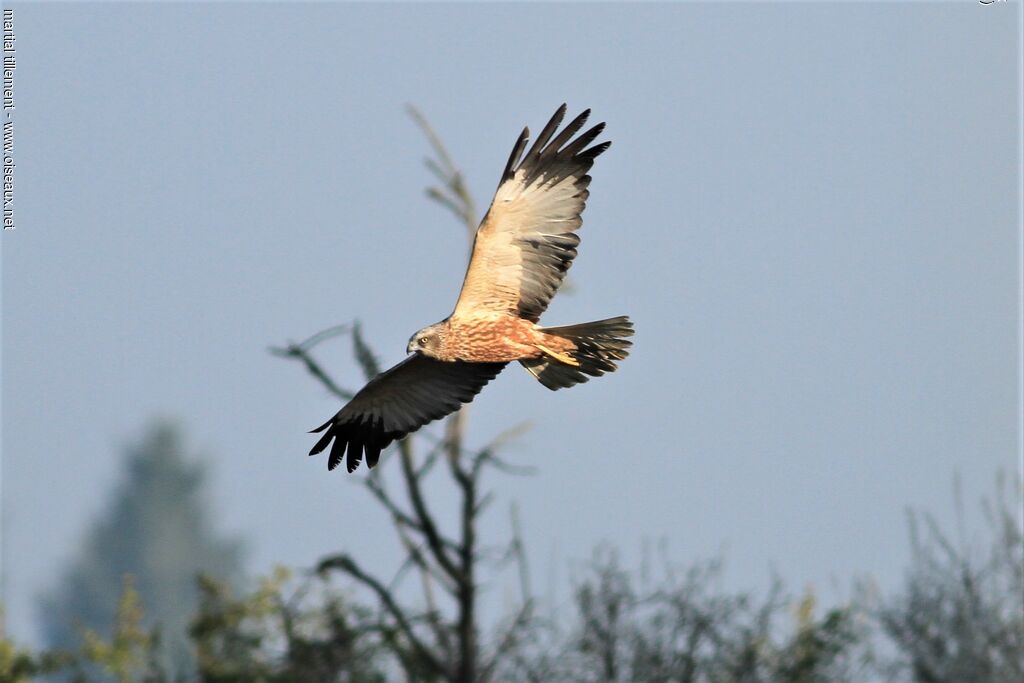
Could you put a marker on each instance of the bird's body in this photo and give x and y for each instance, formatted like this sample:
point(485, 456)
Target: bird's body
point(523, 248)
point(491, 338)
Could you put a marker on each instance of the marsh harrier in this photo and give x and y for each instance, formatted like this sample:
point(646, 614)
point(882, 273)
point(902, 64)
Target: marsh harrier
point(523, 248)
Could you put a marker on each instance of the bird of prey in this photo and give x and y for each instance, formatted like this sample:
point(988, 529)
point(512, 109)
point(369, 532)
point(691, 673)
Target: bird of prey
point(522, 250)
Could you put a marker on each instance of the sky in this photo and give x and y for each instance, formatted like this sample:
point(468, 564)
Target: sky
point(810, 211)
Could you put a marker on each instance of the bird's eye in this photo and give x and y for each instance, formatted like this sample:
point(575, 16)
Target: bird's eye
point(422, 341)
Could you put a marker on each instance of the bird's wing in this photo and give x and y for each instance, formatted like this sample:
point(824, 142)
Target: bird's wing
point(527, 240)
point(398, 401)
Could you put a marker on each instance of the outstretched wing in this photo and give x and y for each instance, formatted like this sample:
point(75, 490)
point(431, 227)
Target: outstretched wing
point(398, 401)
point(527, 240)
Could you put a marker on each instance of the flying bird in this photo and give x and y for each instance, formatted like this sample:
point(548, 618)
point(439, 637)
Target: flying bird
point(521, 252)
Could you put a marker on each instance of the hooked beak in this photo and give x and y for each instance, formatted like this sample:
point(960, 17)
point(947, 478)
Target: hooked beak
point(411, 346)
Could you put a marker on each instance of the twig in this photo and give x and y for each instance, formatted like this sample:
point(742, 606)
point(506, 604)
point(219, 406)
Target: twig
point(301, 352)
point(525, 590)
point(426, 578)
point(461, 202)
point(347, 565)
point(508, 641)
point(364, 355)
point(426, 521)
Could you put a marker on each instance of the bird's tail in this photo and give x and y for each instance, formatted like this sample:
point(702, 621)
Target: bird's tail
point(598, 346)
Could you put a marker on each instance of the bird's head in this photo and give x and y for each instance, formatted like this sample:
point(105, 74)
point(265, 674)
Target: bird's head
point(427, 341)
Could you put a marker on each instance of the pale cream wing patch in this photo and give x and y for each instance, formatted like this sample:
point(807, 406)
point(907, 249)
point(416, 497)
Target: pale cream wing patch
point(527, 240)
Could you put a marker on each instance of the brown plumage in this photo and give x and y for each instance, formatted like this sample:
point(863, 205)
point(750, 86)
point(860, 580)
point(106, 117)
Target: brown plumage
point(522, 250)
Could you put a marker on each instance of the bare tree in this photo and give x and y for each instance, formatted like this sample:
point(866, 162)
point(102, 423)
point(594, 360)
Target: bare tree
point(960, 616)
point(441, 641)
point(680, 627)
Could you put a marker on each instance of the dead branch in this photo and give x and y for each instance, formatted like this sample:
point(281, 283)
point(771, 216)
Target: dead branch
point(346, 564)
point(301, 352)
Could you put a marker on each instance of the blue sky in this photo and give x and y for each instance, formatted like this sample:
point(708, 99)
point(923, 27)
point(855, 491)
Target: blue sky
point(809, 210)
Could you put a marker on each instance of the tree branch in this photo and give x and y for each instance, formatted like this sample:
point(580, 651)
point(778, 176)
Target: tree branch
point(346, 564)
point(434, 539)
point(301, 352)
point(461, 202)
point(509, 640)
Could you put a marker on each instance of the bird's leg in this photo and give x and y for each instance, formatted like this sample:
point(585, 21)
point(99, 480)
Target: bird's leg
point(560, 357)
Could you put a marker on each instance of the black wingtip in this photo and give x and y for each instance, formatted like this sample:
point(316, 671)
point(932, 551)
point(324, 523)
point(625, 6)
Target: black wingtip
point(546, 133)
point(567, 132)
point(557, 118)
point(337, 452)
point(372, 454)
point(355, 456)
point(322, 427)
point(596, 150)
point(517, 153)
point(321, 443)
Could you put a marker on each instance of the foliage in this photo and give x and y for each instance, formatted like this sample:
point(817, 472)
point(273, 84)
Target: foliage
point(277, 634)
point(960, 616)
point(130, 654)
point(20, 665)
point(682, 629)
point(157, 530)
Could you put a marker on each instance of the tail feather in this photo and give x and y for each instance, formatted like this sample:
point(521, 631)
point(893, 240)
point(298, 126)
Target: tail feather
point(599, 345)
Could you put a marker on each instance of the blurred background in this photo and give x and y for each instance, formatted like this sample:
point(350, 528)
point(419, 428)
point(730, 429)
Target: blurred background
point(810, 211)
